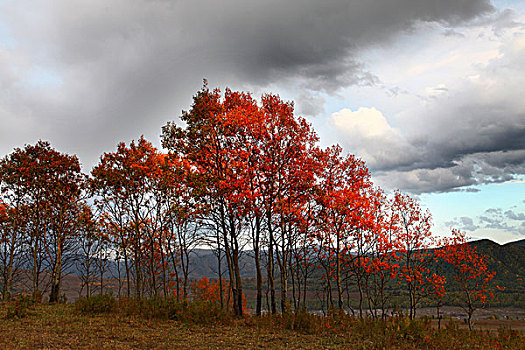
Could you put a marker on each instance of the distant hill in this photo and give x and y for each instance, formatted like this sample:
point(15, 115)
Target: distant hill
point(518, 243)
point(508, 261)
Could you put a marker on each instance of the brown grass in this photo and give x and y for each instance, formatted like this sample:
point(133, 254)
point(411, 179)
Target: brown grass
point(61, 327)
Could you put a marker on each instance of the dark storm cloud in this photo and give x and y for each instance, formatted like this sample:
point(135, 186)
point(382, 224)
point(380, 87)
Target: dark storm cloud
point(313, 39)
point(126, 67)
point(259, 41)
point(474, 134)
point(470, 154)
point(436, 175)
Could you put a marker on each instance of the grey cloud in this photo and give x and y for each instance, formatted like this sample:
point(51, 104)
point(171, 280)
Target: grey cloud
point(468, 224)
point(452, 32)
point(496, 218)
point(474, 135)
point(495, 223)
point(515, 216)
point(499, 21)
point(463, 223)
point(496, 211)
point(417, 175)
point(126, 67)
point(309, 104)
point(419, 181)
point(472, 190)
point(488, 220)
point(493, 218)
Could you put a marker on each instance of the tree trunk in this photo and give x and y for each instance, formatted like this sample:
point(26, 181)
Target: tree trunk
point(338, 274)
point(219, 266)
point(258, 308)
point(9, 279)
point(238, 282)
point(56, 277)
point(271, 279)
point(128, 278)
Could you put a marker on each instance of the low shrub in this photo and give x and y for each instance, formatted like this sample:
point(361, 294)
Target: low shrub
point(198, 312)
point(302, 321)
point(149, 308)
point(509, 338)
point(202, 312)
point(38, 296)
point(96, 304)
point(299, 320)
point(20, 306)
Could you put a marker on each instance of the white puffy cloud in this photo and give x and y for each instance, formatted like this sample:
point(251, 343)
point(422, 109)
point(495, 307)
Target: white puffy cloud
point(367, 133)
point(458, 109)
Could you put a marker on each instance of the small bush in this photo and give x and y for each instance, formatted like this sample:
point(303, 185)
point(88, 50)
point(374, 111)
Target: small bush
point(408, 329)
point(509, 338)
point(19, 307)
point(201, 312)
point(303, 321)
point(96, 304)
point(198, 312)
point(38, 296)
point(298, 320)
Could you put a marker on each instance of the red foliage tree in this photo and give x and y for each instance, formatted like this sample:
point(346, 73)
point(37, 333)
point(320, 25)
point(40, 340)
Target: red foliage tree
point(47, 186)
point(131, 185)
point(249, 159)
point(470, 272)
point(414, 238)
point(210, 290)
point(341, 194)
point(380, 265)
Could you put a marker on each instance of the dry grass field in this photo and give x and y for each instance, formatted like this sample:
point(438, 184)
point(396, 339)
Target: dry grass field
point(44, 326)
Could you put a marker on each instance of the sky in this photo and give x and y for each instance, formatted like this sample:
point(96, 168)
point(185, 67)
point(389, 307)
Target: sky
point(429, 93)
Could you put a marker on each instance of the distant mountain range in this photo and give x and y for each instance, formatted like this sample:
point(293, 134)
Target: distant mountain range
point(507, 260)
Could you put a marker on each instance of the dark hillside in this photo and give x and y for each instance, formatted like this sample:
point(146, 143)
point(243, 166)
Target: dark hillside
point(508, 261)
point(517, 243)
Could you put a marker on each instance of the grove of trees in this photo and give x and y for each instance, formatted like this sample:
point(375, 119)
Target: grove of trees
point(240, 177)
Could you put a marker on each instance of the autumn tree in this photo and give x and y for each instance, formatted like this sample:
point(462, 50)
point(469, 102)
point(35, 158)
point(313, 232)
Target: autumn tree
point(15, 186)
point(414, 236)
point(470, 272)
point(10, 248)
point(207, 142)
point(127, 184)
point(88, 239)
point(285, 183)
point(302, 263)
point(64, 196)
point(378, 268)
point(47, 184)
point(179, 187)
point(343, 182)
